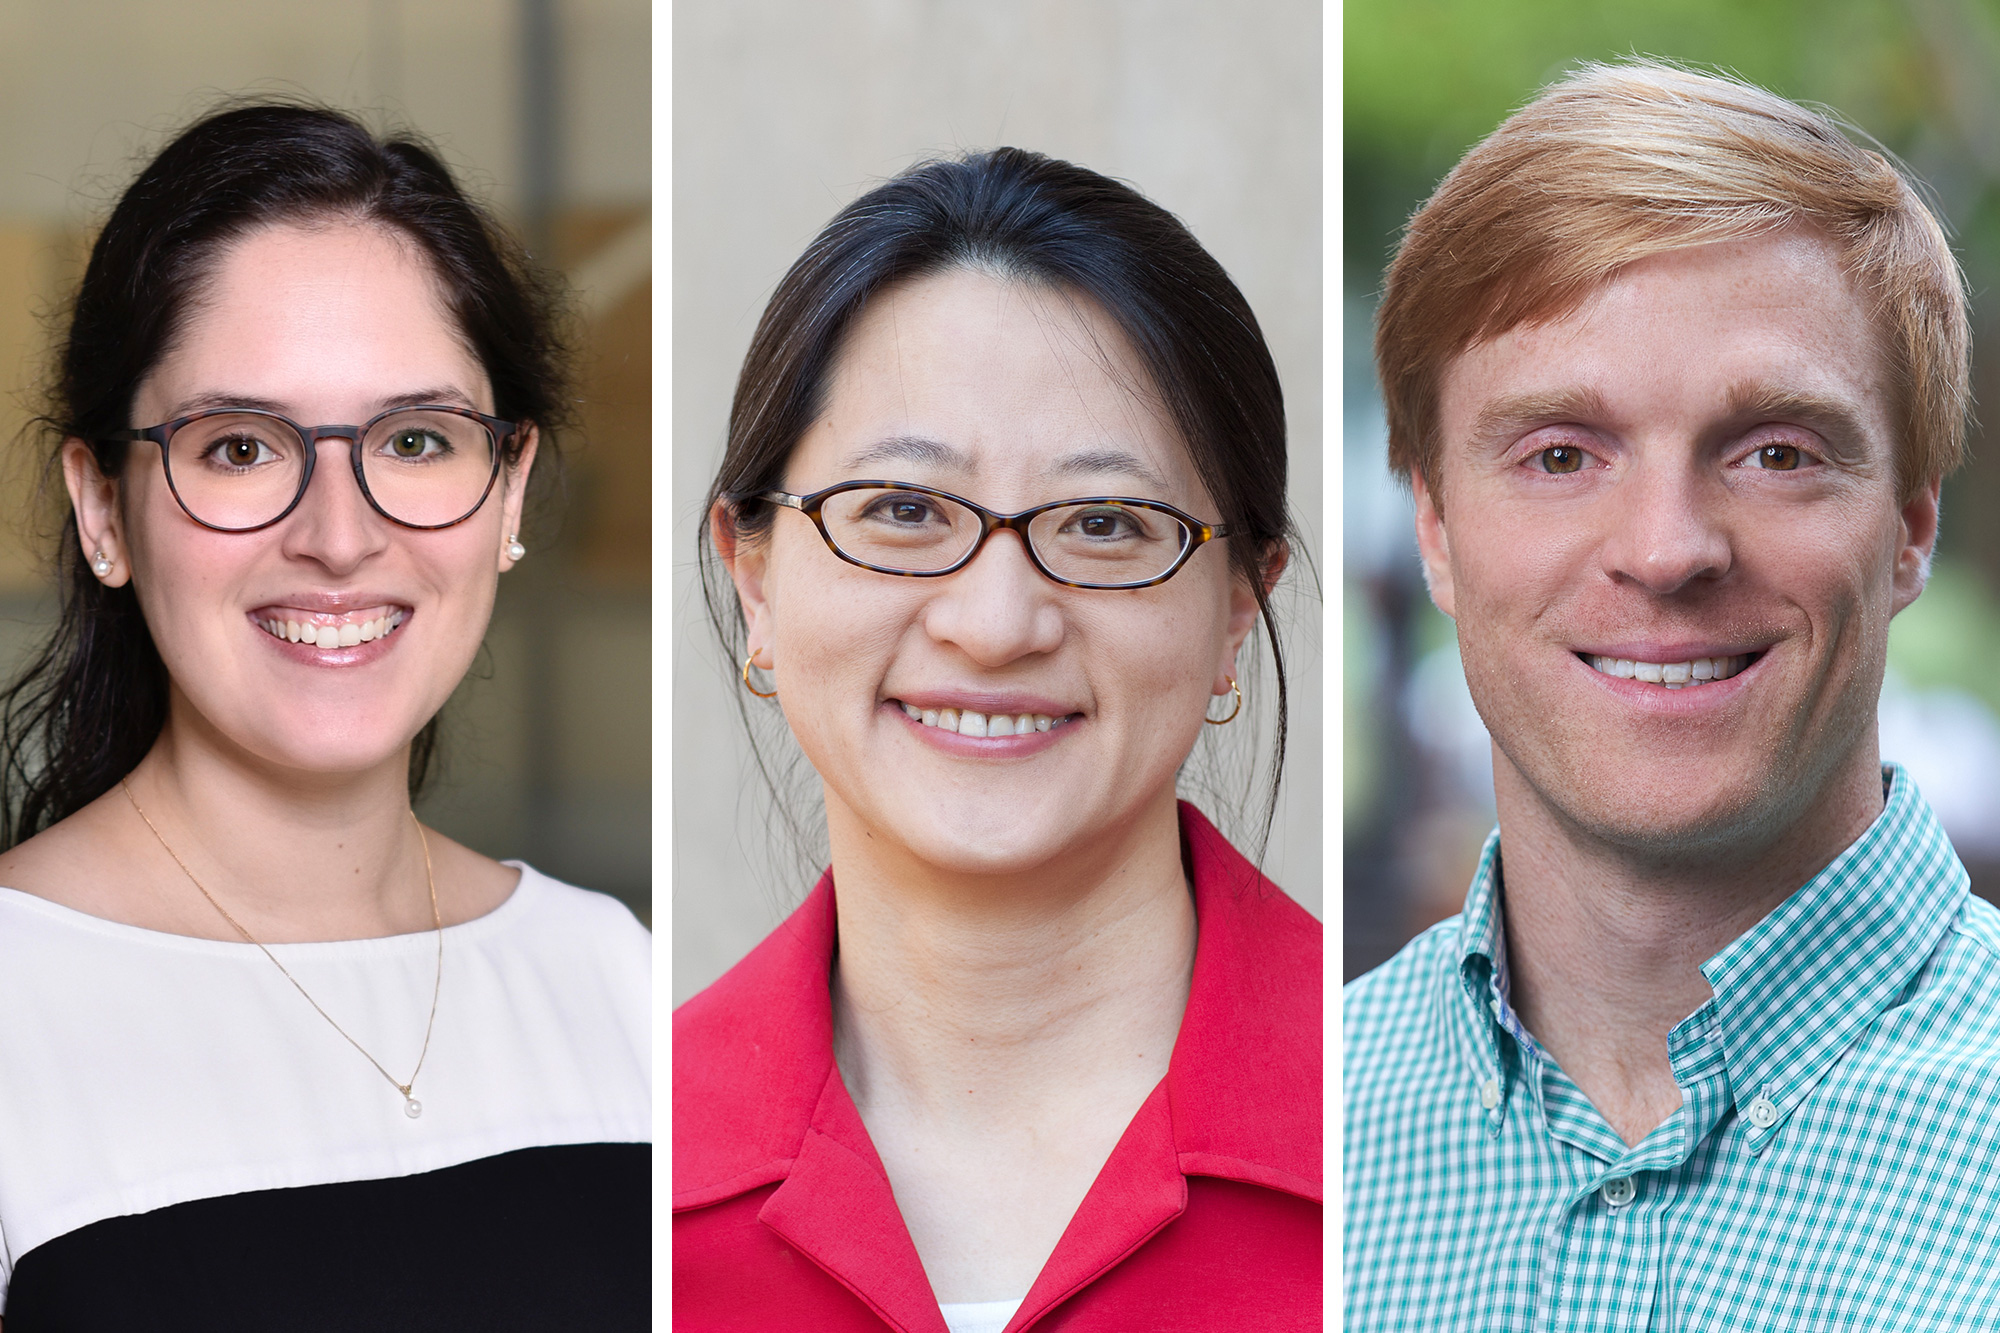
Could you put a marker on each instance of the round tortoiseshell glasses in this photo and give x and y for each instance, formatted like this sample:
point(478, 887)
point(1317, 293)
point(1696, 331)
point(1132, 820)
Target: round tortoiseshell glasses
point(236, 469)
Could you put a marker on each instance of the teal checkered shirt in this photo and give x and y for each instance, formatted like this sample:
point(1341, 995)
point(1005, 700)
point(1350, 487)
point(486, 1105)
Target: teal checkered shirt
point(1835, 1163)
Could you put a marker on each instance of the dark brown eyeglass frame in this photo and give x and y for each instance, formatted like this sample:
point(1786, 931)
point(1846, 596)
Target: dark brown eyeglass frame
point(501, 431)
point(991, 522)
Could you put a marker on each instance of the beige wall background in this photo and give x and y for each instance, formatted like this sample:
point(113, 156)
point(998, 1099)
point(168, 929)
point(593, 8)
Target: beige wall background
point(548, 744)
point(784, 111)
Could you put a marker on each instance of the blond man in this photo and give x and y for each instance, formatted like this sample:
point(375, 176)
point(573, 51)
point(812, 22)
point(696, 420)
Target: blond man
point(1675, 370)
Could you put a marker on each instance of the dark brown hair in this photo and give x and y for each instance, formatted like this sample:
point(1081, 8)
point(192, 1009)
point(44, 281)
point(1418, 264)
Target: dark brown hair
point(93, 700)
point(1036, 220)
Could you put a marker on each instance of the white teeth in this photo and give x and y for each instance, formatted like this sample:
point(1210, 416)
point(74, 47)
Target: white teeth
point(1671, 675)
point(968, 723)
point(344, 635)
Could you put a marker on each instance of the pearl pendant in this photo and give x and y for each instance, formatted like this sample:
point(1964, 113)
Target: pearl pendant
point(412, 1107)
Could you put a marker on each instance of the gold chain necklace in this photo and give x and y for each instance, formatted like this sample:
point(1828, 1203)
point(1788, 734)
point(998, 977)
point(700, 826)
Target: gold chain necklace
point(411, 1106)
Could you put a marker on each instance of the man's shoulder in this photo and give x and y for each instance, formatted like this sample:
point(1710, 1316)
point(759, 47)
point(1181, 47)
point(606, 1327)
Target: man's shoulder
point(1384, 1011)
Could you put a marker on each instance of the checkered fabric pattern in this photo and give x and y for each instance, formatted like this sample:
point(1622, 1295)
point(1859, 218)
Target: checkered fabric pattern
point(1835, 1163)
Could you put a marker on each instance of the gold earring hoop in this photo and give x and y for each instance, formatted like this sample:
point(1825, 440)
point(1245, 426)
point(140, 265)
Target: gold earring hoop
point(746, 679)
point(1236, 690)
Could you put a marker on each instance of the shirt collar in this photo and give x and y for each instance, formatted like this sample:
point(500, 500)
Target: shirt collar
point(1794, 991)
point(753, 1053)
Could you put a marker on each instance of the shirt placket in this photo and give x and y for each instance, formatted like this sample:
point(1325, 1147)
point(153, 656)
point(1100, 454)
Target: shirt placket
point(1603, 1264)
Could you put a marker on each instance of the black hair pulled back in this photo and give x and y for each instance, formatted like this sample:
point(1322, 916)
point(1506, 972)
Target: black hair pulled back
point(93, 700)
point(1045, 222)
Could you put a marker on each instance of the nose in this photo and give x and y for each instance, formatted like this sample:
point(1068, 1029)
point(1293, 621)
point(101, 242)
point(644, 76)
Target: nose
point(998, 608)
point(334, 525)
point(1667, 527)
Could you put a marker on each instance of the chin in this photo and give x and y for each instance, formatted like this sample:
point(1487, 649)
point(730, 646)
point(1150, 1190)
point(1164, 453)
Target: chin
point(1667, 807)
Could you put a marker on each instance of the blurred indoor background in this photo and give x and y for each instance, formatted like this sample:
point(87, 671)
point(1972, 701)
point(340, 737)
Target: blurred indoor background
point(543, 108)
point(1424, 80)
point(785, 111)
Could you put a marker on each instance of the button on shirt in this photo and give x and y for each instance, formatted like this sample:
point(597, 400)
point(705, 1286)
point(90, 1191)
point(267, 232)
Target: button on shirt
point(1206, 1215)
point(1835, 1162)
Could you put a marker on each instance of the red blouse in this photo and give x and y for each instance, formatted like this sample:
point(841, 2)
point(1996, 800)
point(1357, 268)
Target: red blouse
point(1205, 1216)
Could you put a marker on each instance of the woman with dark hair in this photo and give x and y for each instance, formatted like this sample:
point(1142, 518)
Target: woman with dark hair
point(272, 1054)
point(1041, 1049)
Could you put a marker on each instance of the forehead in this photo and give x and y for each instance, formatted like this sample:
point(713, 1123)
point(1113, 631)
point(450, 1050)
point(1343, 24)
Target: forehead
point(1678, 341)
point(311, 318)
point(970, 378)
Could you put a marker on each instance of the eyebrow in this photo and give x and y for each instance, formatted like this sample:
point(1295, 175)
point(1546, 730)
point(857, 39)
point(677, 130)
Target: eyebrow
point(908, 449)
point(1834, 419)
point(1088, 462)
point(1500, 422)
point(442, 396)
point(936, 453)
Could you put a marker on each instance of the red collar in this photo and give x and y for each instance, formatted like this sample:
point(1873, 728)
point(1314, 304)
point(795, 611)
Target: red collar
point(757, 1098)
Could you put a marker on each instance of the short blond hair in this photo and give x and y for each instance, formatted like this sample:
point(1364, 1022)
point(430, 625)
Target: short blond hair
point(1617, 162)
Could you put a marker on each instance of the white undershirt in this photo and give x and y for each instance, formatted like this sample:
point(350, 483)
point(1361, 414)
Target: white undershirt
point(980, 1316)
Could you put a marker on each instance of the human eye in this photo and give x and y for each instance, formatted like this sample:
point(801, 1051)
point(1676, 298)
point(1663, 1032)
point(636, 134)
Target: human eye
point(416, 444)
point(238, 450)
point(1103, 523)
point(1778, 456)
point(1559, 459)
point(902, 509)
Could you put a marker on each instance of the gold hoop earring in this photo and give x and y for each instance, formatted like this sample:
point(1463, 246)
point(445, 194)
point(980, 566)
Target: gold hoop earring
point(1225, 721)
point(746, 680)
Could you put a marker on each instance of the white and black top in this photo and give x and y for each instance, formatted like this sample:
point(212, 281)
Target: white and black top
point(184, 1143)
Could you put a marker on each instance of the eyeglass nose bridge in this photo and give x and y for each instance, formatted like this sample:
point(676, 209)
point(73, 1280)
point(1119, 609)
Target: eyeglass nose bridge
point(990, 523)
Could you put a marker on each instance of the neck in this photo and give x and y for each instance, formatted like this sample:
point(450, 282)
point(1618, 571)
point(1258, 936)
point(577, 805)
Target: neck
point(1605, 943)
point(291, 856)
point(963, 996)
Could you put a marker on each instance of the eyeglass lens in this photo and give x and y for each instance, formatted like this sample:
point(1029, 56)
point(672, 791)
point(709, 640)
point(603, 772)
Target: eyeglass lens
point(1084, 543)
point(243, 470)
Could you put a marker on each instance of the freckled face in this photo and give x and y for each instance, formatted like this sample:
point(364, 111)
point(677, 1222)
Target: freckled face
point(322, 324)
point(1692, 475)
point(1012, 397)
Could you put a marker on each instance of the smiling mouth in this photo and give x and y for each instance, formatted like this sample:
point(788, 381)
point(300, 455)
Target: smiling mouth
point(1671, 675)
point(324, 631)
point(968, 723)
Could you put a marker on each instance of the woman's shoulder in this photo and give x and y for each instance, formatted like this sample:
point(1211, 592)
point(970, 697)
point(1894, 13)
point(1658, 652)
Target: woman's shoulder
point(548, 913)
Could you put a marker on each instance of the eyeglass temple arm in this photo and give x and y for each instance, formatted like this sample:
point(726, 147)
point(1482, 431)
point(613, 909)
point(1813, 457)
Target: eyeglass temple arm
point(778, 498)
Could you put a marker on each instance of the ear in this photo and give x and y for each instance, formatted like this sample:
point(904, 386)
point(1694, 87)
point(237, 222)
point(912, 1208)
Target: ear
point(1918, 538)
point(746, 563)
point(93, 497)
point(514, 491)
point(1433, 543)
point(1244, 611)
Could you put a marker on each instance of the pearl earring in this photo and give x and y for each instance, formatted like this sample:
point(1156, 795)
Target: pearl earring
point(100, 564)
point(514, 548)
